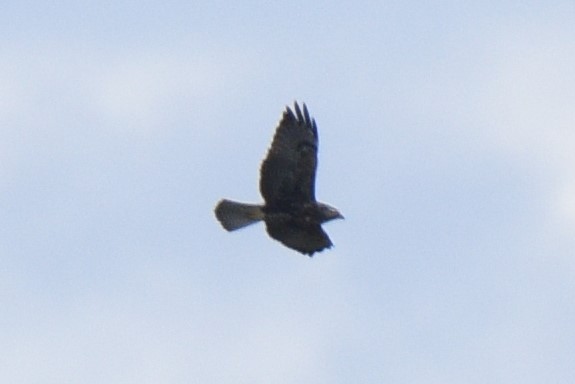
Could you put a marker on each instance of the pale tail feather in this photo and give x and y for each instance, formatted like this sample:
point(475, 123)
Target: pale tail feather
point(233, 215)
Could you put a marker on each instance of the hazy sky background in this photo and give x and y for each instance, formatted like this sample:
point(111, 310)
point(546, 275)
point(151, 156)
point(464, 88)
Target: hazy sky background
point(447, 139)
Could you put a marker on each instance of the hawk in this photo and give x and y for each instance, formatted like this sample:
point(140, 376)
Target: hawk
point(287, 183)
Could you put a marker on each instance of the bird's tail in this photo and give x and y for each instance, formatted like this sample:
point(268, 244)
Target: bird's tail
point(233, 215)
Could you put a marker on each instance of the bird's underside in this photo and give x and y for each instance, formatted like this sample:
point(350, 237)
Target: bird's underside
point(297, 233)
point(287, 183)
point(301, 233)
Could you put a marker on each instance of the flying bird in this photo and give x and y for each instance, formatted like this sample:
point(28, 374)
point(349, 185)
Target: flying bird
point(287, 183)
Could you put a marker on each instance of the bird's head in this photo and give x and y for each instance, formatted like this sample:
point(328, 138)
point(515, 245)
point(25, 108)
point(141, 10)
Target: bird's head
point(328, 212)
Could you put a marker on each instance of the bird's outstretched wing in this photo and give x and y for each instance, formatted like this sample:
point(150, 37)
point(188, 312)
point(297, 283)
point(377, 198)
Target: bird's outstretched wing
point(287, 175)
point(306, 238)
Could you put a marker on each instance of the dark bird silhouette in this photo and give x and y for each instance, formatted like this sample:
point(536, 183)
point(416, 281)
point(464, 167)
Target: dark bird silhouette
point(287, 184)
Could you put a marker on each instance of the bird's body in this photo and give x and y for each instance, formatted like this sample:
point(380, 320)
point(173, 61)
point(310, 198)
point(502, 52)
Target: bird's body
point(287, 184)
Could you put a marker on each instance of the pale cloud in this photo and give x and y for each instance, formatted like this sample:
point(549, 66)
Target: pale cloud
point(563, 204)
point(51, 92)
point(529, 98)
point(131, 85)
point(532, 90)
point(139, 87)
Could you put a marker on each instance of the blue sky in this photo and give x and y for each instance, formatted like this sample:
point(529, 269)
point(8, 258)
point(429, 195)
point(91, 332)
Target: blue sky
point(447, 136)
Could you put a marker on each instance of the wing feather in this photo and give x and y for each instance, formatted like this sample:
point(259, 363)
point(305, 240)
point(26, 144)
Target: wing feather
point(287, 174)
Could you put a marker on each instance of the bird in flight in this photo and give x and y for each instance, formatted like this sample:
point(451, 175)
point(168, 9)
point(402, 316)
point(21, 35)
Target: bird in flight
point(287, 183)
